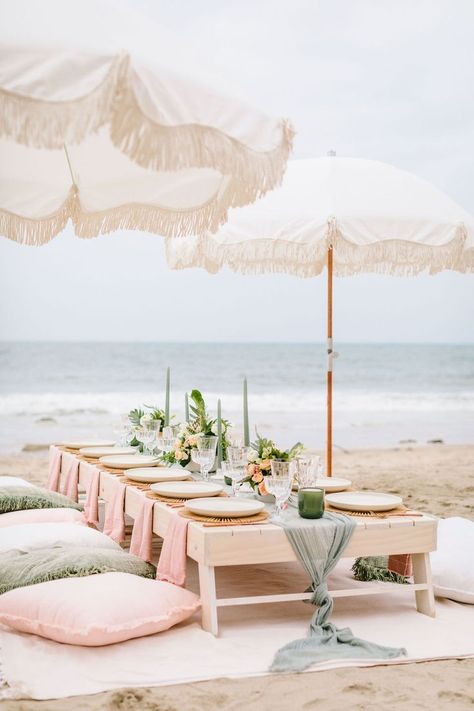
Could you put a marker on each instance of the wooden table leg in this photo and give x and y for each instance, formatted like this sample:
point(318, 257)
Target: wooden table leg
point(207, 585)
point(425, 602)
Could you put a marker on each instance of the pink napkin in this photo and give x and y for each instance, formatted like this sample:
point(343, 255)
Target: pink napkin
point(91, 506)
point(70, 471)
point(142, 532)
point(114, 524)
point(172, 563)
point(54, 468)
point(401, 564)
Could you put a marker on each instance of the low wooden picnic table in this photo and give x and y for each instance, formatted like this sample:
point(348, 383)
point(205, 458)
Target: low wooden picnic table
point(213, 547)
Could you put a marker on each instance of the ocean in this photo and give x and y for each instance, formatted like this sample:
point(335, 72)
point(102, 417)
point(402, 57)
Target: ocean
point(383, 393)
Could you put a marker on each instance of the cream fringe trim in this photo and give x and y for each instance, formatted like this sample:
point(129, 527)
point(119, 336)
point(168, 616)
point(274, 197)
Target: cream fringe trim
point(44, 124)
point(134, 216)
point(260, 256)
point(51, 124)
point(159, 147)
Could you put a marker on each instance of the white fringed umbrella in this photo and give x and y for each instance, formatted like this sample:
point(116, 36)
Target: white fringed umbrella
point(105, 120)
point(349, 214)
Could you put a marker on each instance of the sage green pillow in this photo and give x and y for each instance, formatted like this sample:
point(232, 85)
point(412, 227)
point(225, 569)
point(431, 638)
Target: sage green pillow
point(19, 498)
point(19, 569)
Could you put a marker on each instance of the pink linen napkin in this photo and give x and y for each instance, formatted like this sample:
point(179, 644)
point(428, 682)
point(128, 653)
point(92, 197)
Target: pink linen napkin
point(91, 506)
point(172, 563)
point(401, 564)
point(114, 524)
point(54, 468)
point(70, 479)
point(141, 541)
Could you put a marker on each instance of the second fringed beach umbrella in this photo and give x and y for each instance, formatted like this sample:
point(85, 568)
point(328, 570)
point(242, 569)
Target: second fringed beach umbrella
point(346, 214)
point(106, 121)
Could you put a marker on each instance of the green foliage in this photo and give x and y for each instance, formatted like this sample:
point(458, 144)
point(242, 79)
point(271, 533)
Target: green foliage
point(156, 413)
point(135, 416)
point(266, 449)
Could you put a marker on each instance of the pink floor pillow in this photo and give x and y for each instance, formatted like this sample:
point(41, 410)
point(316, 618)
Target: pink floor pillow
point(15, 518)
point(97, 610)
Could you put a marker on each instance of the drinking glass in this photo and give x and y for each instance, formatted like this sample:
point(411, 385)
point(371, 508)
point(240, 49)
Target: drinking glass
point(307, 471)
point(149, 433)
point(238, 460)
point(168, 438)
point(205, 454)
point(119, 435)
point(279, 483)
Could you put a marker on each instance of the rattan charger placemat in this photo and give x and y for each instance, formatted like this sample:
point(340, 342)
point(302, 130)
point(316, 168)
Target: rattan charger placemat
point(175, 501)
point(140, 485)
point(143, 486)
point(399, 511)
point(261, 517)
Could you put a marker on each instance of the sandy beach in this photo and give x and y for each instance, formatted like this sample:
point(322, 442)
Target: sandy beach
point(437, 478)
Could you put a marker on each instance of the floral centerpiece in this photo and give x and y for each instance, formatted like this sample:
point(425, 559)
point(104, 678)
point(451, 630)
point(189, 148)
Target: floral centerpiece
point(261, 454)
point(139, 415)
point(200, 424)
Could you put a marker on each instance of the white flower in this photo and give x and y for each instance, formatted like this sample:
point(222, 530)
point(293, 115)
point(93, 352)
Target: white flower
point(252, 455)
point(179, 455)
point(146, 418)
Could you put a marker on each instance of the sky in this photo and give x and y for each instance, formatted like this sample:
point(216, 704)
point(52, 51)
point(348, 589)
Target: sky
point(376, 79)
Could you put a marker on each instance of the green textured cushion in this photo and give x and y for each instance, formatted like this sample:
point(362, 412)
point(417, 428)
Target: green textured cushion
point(376, 568)
point(19, 498)
point(19, 569)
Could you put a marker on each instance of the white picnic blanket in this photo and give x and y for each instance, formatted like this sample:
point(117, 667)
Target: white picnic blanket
point(249, 636)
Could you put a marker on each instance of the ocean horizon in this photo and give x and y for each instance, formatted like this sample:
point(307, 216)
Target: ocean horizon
point(384, 393)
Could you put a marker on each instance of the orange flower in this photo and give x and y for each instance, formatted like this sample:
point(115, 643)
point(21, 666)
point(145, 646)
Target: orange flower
point(262, 489)
point(251, 469)
point(257, 477)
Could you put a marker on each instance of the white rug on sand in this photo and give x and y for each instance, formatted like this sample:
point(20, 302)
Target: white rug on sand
point(249, 636)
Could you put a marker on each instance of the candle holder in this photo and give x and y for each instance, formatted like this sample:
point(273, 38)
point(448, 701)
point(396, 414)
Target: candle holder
point(311, 502)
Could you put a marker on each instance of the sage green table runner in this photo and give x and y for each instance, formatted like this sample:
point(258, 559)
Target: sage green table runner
point(318, 545)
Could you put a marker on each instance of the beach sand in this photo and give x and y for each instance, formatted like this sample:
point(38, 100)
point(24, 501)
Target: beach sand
point(436, 478)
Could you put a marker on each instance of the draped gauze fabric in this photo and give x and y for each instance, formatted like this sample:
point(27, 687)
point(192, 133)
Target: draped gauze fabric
point(319, 545)
point(107, 120)
point(376, 217)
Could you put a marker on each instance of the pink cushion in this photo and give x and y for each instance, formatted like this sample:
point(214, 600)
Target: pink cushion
point(14, 518)
point(98, 609)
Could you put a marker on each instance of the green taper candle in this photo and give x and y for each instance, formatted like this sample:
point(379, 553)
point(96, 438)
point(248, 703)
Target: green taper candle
point(219, 434)
point(167, 400)
point(186, 407)
point(246, 416)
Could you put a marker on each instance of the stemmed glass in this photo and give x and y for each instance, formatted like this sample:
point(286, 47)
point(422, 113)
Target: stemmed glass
point(279, 483)
point(238, 460)
point(205, 454)
point(168, 438)
point(148, 435)
point(122, 431)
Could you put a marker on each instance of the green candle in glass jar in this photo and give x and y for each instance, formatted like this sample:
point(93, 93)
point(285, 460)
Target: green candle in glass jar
point(311, 502)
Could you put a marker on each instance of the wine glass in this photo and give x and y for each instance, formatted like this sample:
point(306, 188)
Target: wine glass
point(149, 433)
point(168, 438)
point(279, 483)
point(238, 460)
point(205, 454)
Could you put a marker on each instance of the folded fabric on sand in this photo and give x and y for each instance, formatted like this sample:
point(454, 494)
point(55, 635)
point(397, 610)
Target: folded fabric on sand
point(19, 569)
point(319, 545)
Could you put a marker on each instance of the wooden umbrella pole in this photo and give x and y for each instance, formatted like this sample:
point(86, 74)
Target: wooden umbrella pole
point(329, 372)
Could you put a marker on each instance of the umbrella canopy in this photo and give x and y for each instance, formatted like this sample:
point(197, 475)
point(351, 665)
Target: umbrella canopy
point(136, 138)
point(376, 218)
point(349, 214)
